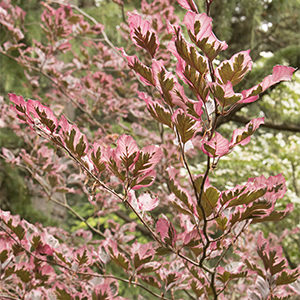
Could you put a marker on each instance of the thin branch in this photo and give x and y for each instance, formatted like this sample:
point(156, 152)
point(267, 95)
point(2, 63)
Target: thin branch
point(268, 124)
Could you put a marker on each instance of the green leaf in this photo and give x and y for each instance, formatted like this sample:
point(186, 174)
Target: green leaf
point(151, 281)
point(121, 260)
point(228, 195)
point(247, 197)
point(162, 251)
point(138, 262)
point(189, 54)
point(222, 222)
point(167, 85)
point(69, 140)
point(35, 242)
point(209, 200)
point(286, 278)
point(182, 196)
point(24, 275)
point(3, 256)
point(62, 294)
point(196, 82)
point(160, 114)
point(147, 41)
point(82, 259)
point(185, 126)
point(196, 289)
point(224, 101)
point(80, 147)
point(254, 267)
point(235, 74)
point(144, 71)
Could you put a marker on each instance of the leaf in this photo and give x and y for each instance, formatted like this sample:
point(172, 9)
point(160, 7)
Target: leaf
point(218, 146)
point(195, 80)
point(24, 275)
point(235, 69)
point(62, 294)
point(197, 289)
point(189, 54)
point(148, 267)
point(225, 94)
point(181, 194)
point(146, 202)
point(82, 259)
point(138, 262)
point(280, 73)
point(199, 28)
point(247, 197)
point(151, 281)
point(286, 277)
point(209, 200)
point(242, 136)
point(96, 158)
point(142, 34)
point(62, 258)
point(231, 194)
point(163, 251)
point(275, 216)
point(254, 267)
point(184, 124)
point(188, 4)
point(166, 231)
point(165, 81)
point(272, 258)
point(134, 63)
point(157, 111)
point(127, 150)
point(3, 256)
point(18, 230)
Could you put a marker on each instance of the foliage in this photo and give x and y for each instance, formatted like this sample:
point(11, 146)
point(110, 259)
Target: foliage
point(195, 237)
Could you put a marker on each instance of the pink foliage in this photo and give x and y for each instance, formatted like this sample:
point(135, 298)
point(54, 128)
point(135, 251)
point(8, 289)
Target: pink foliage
point(188, 226)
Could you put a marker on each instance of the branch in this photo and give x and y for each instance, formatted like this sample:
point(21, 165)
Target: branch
point(268, 124)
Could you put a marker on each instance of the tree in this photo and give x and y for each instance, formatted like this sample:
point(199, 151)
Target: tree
point(193, 232)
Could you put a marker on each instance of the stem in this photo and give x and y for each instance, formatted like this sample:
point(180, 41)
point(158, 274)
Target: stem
point(208, 3)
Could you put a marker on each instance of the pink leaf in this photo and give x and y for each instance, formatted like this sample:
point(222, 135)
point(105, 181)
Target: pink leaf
point(280, 73)
point(45, 250)
point(146, 202)
point(145, 180)
point(126, 147)
point(155, 154)
point(144, 72)
point(188, 4)
point(217, 146)
point(166, 231)
point(276, 186)
point(142, 34)
point(200, 29)
point(243, 136)
point(235, 69)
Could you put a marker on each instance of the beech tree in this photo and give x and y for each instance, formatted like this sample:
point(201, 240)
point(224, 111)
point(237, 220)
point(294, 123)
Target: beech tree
point(180, 237)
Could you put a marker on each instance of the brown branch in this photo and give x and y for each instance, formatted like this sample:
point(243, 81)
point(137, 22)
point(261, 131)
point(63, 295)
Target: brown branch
point(268, 124)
